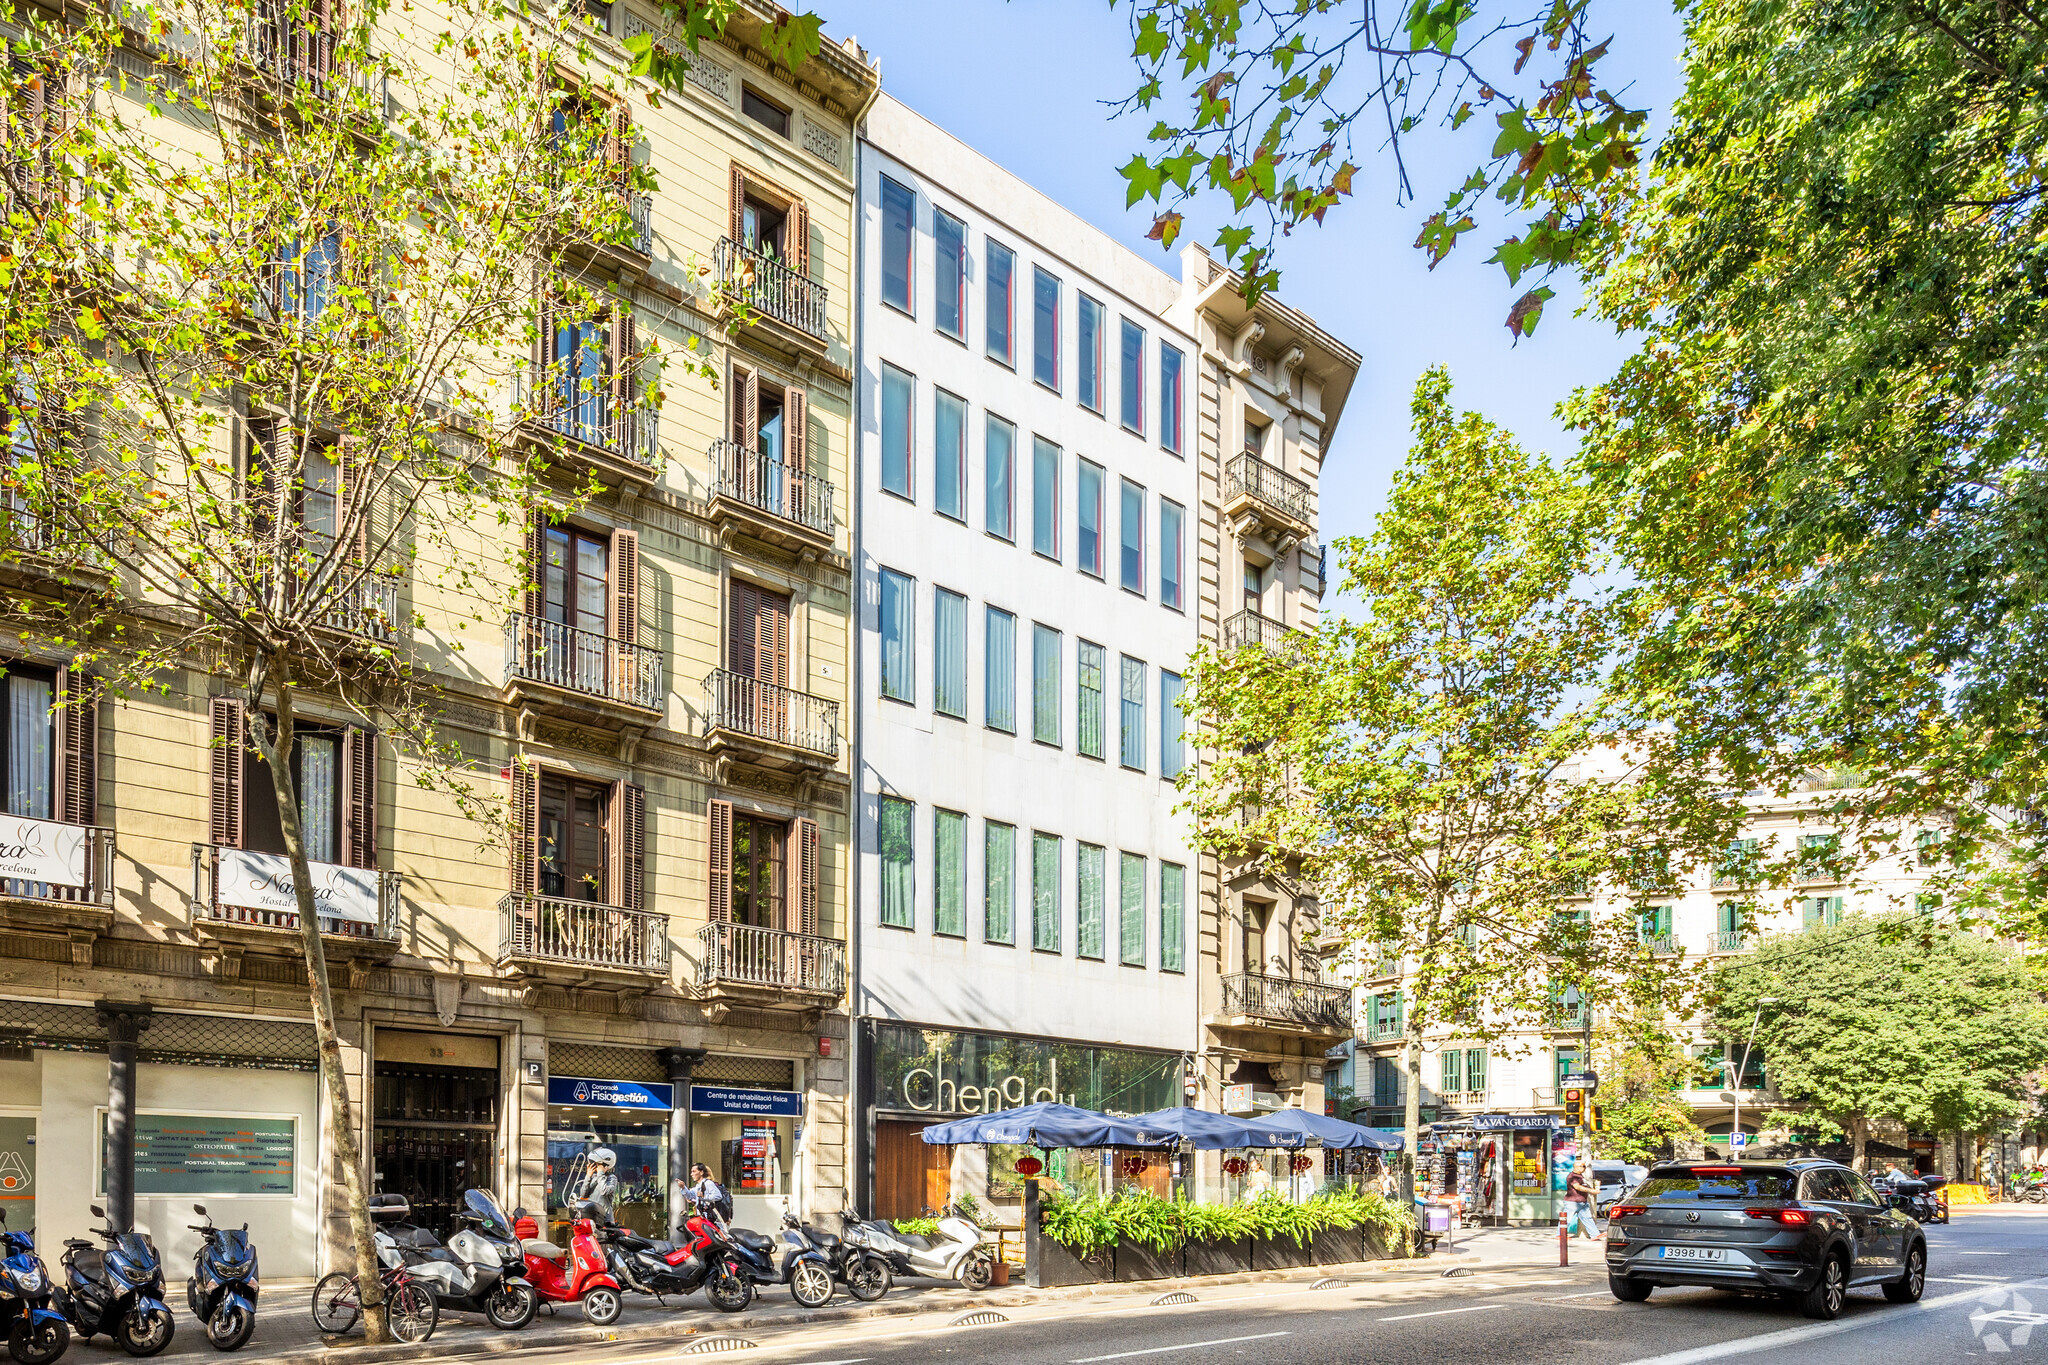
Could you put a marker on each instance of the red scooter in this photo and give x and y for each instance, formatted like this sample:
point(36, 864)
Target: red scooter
point(575, 1274)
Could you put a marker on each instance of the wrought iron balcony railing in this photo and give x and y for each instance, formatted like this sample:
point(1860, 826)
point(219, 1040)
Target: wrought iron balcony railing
point(771, 287)
point(1250, 628)
point(780, 715)
point(370, 610)
point(745, 955)
point(98, 887)
point(1660, 945)
point(1286, 1000)
point(543, 651)
point(539, 928)
point(1731, 941)
point(1248, 476)
point(571, 407)
point(766, 484)
point(640, 207)
point(211, 907)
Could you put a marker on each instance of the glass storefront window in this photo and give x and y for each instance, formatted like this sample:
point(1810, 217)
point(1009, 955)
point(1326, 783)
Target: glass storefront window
point(934, 1072)
point(639, 1139)
point(752, 1158)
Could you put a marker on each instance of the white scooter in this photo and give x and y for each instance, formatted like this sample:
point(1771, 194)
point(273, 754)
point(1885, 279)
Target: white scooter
point(481, 1270)
point(956, 1253)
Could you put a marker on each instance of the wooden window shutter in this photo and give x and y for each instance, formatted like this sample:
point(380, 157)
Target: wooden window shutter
point(78, 738)
point(351, 503)
point(743, 605)
point(229, 744)
point(327, 20)
point(718, 890)
point(795, 430)
point(804, 859)
point(621, 339)
point(261, 464)
point(738, 205)
point(624, 625)
point(524, 833)
point(359, 797)
point(547, 384)
point(771, 637)
point(628, 850)
point(618, 144)
point(536, 562)
point(749, 434)
point(800, 234)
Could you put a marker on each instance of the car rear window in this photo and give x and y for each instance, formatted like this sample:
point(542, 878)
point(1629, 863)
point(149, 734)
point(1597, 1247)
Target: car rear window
point(1609, 1177)
point(1682, 1185)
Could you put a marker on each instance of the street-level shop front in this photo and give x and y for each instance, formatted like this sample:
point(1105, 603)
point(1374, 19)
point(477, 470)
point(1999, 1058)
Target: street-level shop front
point(1503, 1169)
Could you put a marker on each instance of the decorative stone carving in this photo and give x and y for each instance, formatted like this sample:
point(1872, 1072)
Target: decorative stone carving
point(821, 142)
point(447, 998)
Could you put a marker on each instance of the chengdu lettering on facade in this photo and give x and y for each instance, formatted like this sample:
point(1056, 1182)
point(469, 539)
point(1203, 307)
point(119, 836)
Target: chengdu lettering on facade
point(937, 1072)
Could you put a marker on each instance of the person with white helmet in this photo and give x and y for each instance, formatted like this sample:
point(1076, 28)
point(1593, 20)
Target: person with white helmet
point(599, 1182)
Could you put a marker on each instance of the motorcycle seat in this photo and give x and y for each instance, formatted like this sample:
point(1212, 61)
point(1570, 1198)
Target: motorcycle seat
point(418, 1254)
point(88, 1261)
point(547, 1251)
point(753, 1241)
point(916, 1241)
point(824, 1241)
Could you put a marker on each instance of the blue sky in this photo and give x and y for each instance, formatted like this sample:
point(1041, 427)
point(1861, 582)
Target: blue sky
point(1024, 81)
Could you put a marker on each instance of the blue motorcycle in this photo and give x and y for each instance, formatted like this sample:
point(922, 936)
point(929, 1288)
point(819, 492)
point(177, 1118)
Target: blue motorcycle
point(222, 1290)
point(118, 1292)
point(36, 1334)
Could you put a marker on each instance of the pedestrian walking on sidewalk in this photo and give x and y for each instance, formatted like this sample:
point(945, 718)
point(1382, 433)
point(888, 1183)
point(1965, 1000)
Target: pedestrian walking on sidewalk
point(1579, 1204)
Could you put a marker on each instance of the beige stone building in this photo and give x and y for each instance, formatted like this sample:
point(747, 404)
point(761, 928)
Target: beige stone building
point(666, 932)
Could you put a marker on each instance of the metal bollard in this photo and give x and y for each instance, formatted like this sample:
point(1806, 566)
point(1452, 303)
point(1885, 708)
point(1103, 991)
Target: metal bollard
point(1564, 1241)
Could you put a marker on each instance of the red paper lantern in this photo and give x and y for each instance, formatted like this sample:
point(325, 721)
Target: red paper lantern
point(1236, 1166)
point(1301, 1164)
point(1029, 1165)
point(1133, 1166)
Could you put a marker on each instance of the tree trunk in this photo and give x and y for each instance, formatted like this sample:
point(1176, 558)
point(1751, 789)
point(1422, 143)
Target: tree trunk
point(1859, 1143)
point(1411, 1112)
point(276, 749)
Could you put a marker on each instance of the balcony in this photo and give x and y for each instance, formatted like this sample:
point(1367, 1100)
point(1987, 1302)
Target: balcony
point(768, 499)
point(242, 900)
point(1731, 941)
point(82, 901)
point(1251, 999)
point(1264, 499)
point(1660, 945)
point(368, 612)
point(769, 968)
point(1738, 874)
point(1249, 629)
point(581, 943)
point(1568, 1015)
point(587, 427)
point(773, 291)
point(767, 724)
point(291, 51)
point(580, 672)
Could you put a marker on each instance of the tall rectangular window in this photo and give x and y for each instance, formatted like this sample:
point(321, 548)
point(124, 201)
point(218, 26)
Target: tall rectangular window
point(1131, 396)
point(1131, 739)
point(1001, 302)
point(949, 270)
point(1173, 890)
point(1171, 554)
point(899, 238)
point(1045, 684)
point(1088, 701)
point(1172, 749)
point(1132, 560)
point(1090, 339)
point(999, 670)
point(1045, 892)
point(998, 882)
point(1169, 398)
point(899, 636)
point(949, 454)
point(999, 455)
point(899, 877)
point(1131, 910)
point(949, 873)
point(949, 654)
point(1088, 869)
point(1088, 495)
point(897, 403)
point(1045, 329)
point(1475, 1068)
point(1045, 497)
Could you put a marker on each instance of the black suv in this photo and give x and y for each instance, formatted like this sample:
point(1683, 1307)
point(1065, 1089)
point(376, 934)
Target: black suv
point(1805, 1229)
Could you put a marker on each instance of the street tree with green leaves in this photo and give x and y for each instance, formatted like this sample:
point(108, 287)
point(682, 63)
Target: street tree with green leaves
point(1643, 1065)
point(1443, 763)
point(1894, 1017)
point(282, 300)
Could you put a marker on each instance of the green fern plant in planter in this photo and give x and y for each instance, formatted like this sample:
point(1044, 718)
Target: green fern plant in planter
point(1083, 1225)
point(1147, 1220)
point(1215, 1222)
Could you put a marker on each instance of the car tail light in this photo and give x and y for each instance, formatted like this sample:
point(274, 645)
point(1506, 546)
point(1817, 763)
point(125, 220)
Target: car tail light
point(1717, 1170)
point(1627, 1210)
point(1791, 1218)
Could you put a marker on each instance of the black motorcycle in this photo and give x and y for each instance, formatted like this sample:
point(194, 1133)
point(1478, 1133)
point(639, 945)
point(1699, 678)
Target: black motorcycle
point(36, 1334)
point(705, 1260)
point(866, 1275)
point(788, 1259)
point(1916, 1197)
point(118, 1292)
point(222, 1290)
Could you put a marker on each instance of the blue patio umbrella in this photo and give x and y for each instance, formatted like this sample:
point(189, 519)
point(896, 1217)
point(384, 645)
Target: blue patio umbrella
point(1217, 1132)
point(1330, 1132)
point(1046, 1125)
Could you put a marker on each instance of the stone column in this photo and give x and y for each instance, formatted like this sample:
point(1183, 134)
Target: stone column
point(124, 1025)
point(682, 1065)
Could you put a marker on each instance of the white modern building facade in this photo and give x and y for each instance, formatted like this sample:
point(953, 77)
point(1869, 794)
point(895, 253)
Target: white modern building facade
point(1026, 516)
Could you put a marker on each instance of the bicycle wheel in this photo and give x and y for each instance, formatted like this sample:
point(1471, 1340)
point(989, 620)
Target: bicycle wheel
point(412, 1312)
point(336, 1305)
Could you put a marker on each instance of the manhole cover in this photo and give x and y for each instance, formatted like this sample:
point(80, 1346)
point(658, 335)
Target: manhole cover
point(1177, 1296)
point(1327, 1282)
point(712, 1344)
point(980, 1317)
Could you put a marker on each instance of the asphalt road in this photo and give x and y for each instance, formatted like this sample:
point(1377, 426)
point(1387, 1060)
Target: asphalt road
point(1988, 1274)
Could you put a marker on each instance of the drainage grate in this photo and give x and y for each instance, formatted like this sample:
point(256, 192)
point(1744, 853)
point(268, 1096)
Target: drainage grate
point(1328, 1282)
point(980, 1317)
point(1176, 1296)
point(713, 1344)
point(1457, 1270)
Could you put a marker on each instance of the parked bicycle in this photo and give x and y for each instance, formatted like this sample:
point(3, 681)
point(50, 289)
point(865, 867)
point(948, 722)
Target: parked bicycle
point(409, 1306)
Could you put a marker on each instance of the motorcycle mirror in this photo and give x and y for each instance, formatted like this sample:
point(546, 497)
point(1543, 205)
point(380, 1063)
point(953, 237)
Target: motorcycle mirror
point(97, 1211)
point(199, 1209)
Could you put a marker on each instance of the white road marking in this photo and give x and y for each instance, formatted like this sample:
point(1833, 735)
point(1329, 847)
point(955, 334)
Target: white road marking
point(1184, 1346)
point(1971, 1279)
point(1768, 1341)
point(1475, 1308)
point(1983, 1253)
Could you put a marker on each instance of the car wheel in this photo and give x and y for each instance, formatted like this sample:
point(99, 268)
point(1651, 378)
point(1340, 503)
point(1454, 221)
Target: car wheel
point(1907, 1288)
point(1628, 1290)
point(1824, 1300)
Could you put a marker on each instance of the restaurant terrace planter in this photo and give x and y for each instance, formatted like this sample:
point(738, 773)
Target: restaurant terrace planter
point(1280, 1253)
point(1233, 1257)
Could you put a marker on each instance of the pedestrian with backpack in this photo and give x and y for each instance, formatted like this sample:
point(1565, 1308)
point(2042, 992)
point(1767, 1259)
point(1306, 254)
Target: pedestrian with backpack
point(709, 1194)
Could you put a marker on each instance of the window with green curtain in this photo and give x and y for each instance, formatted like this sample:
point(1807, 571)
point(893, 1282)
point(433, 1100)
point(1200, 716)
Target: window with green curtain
point(1823, 910)
point(998, 882)
point(1045, 684)
point(1131, 714)
point(1654, 922)
point(1088, 700)
point(1089, 860)
point(999, 670)
point(949, 873)
point(899, 883)
point(1475, 1068)
point(1045, 892)
point(1131, 922)
point(1173, 883)
point(1453, 1071)
point(1728, 917)
point(1172, 734)
point(899, 636)
point(949, 654)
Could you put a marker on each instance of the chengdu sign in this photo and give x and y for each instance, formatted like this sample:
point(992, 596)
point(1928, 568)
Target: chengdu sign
point(939, 1073)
